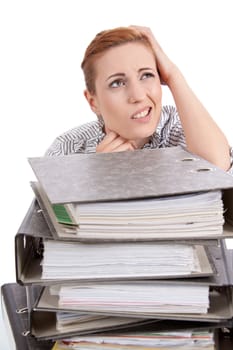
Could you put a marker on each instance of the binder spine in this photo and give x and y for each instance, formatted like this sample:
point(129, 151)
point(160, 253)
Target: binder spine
point(14, 301)
point(17, 316)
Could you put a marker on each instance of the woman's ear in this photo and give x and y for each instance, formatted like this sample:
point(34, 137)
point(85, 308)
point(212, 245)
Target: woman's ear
point(92, 100)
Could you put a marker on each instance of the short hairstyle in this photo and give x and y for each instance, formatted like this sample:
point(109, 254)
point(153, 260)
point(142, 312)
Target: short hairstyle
point(104, 41)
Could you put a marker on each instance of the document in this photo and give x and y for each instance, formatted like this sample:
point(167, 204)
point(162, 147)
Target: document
point(132, 297)
point(178, 340)
point(126, 260)
point(193, 215)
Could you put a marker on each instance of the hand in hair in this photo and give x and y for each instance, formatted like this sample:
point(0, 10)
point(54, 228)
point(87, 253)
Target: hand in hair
point(165, 66)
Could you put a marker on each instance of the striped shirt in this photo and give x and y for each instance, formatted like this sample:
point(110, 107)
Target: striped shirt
point(85, 138)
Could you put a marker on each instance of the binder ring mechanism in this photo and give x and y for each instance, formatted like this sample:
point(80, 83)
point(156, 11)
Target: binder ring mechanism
point(23, 310)
point(25, 333)
point(199, 170)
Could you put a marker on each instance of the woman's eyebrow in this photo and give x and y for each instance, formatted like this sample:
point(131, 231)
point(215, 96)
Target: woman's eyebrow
point(123, 74)
point(115, 75)
point(146, 68)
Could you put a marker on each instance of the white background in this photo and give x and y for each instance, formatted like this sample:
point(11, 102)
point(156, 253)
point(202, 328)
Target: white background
point(41, 85)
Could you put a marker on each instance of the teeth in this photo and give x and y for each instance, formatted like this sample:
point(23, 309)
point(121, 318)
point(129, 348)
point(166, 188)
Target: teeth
point(141, 114)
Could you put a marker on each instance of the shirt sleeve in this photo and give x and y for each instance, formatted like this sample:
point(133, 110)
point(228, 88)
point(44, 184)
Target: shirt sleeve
point(230, 171)
point(55, 149)
point(171, 130)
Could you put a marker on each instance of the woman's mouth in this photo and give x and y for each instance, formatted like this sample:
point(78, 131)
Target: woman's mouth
point(143, 115)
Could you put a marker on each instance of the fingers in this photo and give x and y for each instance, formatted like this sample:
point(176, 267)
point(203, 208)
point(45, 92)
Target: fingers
point(114, 143)
point(159, 54)
point(127, 146)
point(147, 32)
point(165, 66)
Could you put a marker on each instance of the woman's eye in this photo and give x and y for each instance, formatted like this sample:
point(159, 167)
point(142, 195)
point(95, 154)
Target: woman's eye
point(117, 83)
point(147, 75)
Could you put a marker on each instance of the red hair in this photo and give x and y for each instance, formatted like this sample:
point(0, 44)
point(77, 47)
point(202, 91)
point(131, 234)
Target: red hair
point(104, 41)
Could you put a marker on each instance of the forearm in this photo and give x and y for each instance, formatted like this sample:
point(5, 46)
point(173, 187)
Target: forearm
point(203, 136)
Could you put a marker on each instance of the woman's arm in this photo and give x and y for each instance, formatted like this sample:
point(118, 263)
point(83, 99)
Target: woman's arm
point(203, 136)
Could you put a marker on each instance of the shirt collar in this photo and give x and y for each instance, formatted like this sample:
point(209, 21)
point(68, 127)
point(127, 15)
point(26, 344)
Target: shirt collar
point(154, 141)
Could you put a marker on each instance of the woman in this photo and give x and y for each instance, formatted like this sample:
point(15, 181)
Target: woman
point(124, 69)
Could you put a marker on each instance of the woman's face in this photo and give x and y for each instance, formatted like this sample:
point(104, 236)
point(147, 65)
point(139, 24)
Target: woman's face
point(128, 91)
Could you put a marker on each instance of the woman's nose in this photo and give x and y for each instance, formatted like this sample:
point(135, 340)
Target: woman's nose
point(136, 93)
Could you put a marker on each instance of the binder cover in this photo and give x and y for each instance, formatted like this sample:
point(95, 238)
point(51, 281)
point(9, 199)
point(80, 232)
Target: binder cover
point(43, 325)
point(126, 175)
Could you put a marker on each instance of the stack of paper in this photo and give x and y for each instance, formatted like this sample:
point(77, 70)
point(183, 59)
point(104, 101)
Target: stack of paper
point(134, 260)
point(182, 216)
point(70, 322)
point(186, 340)
point(135, 299)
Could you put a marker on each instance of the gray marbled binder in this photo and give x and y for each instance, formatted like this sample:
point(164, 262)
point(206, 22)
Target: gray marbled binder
point(126, 175)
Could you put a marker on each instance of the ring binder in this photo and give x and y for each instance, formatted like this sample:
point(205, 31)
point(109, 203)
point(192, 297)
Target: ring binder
point(33, 312)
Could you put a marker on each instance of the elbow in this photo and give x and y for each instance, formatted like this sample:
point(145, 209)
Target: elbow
point(222, 162)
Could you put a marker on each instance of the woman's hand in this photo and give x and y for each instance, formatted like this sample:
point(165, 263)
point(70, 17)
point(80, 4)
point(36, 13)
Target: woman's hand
point(114, 143)
point(166, 68)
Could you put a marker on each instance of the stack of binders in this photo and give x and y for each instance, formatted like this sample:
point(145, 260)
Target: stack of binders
point(121, 247)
